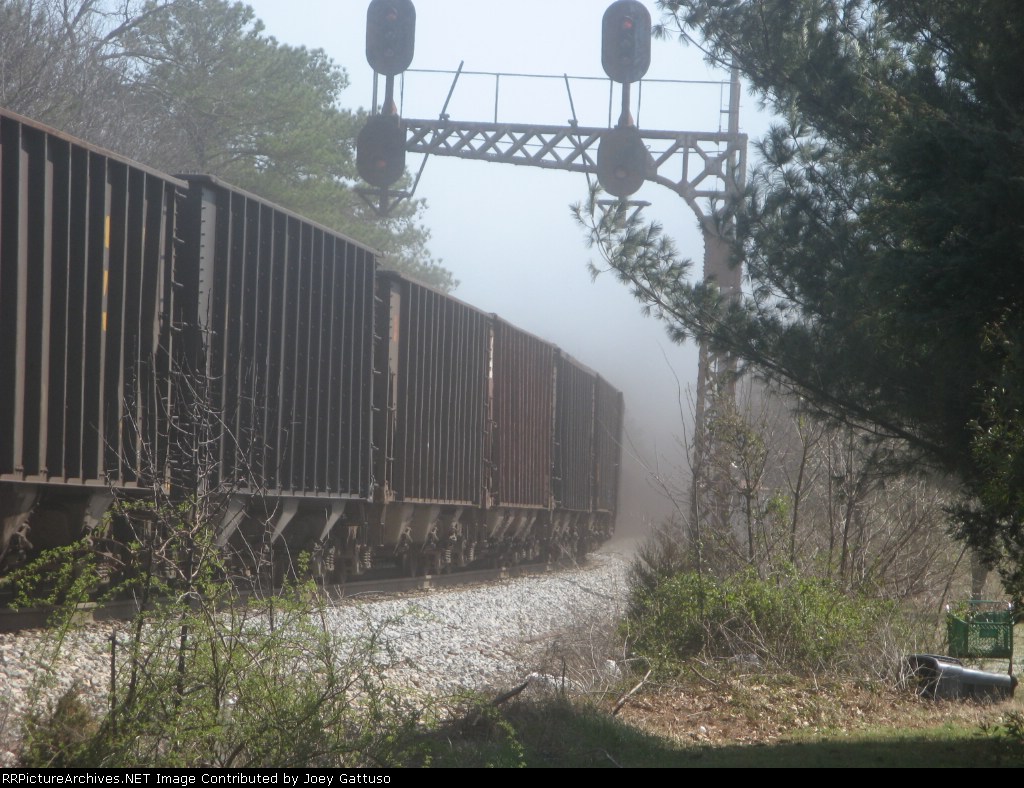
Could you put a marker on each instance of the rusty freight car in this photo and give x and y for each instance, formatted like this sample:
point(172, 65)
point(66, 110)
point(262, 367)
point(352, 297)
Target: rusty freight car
point(87, 340)
point(344, 412)
point(281, 347)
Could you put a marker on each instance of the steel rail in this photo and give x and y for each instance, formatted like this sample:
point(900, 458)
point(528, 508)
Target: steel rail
point(356, 591)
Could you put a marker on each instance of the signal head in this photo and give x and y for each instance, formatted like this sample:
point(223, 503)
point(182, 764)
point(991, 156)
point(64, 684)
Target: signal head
point(622, 161)
point(626, 41)
point(390, 35)
point(380, 150)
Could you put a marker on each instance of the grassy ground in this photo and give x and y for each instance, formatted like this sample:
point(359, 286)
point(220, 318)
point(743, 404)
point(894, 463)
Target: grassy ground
point(772, 723)
point(728, 717)
point(761, 725)
point(733, 715)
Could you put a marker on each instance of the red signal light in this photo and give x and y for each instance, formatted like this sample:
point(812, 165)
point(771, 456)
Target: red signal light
point(626, 41)
point(390, 35)
point(380, 150)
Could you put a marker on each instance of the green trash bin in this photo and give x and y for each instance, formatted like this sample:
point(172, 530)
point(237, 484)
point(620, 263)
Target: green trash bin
point(984, 631)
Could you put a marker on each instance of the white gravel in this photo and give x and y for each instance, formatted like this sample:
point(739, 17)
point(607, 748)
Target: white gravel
point(444, 640)
point(475, 637)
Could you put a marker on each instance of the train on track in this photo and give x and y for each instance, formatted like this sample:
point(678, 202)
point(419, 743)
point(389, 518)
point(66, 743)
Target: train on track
point(176, 333)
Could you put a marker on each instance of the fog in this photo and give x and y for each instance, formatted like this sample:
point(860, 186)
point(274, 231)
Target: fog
point(506, 231)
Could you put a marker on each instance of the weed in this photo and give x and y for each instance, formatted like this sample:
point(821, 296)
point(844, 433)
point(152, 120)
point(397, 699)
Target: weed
point(786, 621)
point(59, 735)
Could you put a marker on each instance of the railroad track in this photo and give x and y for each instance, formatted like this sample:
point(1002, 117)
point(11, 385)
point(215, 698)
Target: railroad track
point(37, 617)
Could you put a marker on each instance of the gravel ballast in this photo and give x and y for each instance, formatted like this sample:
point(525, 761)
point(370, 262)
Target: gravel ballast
point(443, 641)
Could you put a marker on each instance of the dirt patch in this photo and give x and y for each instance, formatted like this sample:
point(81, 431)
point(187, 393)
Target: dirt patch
point(752, 710)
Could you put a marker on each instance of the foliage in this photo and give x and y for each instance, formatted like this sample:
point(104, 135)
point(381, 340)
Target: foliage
point(58, 63)
point(788, 621)
point(57, 736)
point(1012, 727)
point(818, 497)
point(547, 732)
point(197, 86)
point(203, 679)
point(62, 577)
point(476, 734)
point(657, 559)
point(880, 234)
point(994, 523)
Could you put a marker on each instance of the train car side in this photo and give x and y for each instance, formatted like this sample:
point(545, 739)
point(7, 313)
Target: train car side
point(494, 455)
point(182, 335)
point(87, 248)
point(283, 355)
point(609, 412)
point(522, 443)
point(434, 479)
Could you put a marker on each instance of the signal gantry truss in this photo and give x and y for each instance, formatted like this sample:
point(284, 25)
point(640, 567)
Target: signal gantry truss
point(704, 168)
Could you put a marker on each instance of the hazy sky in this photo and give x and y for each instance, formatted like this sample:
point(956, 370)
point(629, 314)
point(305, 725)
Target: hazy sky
point(506, 231)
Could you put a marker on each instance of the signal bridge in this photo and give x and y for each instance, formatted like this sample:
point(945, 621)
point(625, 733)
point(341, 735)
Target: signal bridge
point(706, 169)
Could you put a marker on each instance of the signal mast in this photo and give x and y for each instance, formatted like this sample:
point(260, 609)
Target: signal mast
point(623, 162)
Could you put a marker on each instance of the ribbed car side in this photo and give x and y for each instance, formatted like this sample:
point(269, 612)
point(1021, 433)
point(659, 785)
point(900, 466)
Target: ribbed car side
point(182, 333)
point(87, 333)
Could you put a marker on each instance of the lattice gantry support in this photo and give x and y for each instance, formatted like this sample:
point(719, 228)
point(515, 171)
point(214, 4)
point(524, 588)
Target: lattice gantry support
point(701, 167)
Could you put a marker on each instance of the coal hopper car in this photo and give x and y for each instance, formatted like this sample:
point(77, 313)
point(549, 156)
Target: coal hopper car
point(87, 334)
point(180, 334)
point(281, 348)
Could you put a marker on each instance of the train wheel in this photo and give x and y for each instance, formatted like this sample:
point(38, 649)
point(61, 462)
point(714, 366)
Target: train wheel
point(354, 563)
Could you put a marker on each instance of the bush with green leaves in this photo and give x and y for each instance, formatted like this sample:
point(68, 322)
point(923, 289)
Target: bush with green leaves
point(204, 677)
point(785, 620)
point(267, 683)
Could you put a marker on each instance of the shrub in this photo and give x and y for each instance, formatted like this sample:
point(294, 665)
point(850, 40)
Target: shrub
point(784, 620)
point(59, 735)
point(663, 556)
point(236, 687)
point(203, 677)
